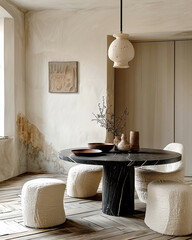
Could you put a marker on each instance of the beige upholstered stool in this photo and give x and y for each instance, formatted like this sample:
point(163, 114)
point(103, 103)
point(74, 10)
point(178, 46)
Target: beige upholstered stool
point(42, 203)
point(169, 207)
point(83, 180)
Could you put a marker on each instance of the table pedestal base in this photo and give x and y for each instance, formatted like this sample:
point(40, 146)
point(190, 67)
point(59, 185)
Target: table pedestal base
point(118, 190)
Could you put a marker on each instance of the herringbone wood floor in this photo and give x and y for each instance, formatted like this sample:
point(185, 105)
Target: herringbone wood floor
point(85, 220)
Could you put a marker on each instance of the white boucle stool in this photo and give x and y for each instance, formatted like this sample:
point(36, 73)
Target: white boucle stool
point(83, 180)
point(169, 208)
point(42, 203)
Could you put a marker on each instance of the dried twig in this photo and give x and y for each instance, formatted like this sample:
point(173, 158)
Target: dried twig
point(109, 121)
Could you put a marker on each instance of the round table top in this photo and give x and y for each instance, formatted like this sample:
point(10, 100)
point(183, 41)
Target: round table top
point(145, 156)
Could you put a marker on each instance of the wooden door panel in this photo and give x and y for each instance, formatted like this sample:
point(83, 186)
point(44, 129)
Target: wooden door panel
point(147, 90)
point(183, 99)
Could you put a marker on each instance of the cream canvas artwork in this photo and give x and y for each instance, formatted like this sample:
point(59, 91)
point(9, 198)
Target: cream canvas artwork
point(63, 77)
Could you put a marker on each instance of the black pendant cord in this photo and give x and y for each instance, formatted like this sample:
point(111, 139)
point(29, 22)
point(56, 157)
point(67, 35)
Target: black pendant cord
point(121, 16)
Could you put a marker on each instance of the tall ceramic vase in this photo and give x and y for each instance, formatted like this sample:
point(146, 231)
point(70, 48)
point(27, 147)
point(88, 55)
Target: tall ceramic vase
point(134, 141)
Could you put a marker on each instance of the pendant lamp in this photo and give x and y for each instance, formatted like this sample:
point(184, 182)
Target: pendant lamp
point(121, 50)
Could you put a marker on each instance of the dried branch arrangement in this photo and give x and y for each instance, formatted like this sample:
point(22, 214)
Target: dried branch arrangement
point(109, 121)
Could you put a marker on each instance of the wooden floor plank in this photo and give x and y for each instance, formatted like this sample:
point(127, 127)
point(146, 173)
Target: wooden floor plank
point(102, 221)
point(99, 235)
point(132, 235)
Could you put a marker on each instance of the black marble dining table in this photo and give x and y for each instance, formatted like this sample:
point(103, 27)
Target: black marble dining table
point(118, 174)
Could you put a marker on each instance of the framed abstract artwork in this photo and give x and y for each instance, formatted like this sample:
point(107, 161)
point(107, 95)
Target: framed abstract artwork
point(63, 77)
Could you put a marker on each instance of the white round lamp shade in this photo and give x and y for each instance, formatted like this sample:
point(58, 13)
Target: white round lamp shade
point(121, 51)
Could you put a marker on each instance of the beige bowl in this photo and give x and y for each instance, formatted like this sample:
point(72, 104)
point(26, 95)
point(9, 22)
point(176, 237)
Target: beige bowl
point(104, 147)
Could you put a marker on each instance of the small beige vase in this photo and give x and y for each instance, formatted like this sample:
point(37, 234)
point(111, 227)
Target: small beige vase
point(116, 141)
point(123, 146)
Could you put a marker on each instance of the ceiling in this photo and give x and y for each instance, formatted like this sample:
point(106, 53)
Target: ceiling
point(36, 5)
point(169, 14)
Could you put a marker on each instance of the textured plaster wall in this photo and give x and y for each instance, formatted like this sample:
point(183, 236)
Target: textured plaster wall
point(12, 151)
point(81, 35)
point(65, 119)
point(40, 154)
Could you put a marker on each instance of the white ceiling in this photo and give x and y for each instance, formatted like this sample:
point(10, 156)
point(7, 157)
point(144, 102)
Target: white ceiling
point(35, 5)
point(175, 14)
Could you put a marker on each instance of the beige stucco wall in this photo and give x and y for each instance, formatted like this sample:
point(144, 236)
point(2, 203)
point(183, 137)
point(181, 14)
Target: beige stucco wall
point(65, 119)
point(12, 151)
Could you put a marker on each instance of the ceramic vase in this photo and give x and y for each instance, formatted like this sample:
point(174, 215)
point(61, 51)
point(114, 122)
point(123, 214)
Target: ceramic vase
point(123, 146)
point(116, 141)
point(134, 141)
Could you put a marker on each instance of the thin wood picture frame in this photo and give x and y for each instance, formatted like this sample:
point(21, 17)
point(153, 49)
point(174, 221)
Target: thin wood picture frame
point(63, 77)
